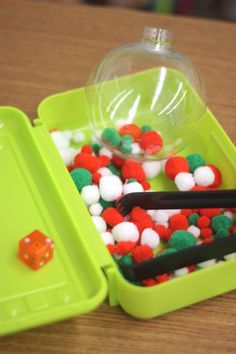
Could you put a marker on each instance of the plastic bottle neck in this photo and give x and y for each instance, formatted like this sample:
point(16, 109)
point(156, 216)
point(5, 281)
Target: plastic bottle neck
point(154, 38)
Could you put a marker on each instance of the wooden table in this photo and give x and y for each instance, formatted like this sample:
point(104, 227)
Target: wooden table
point(52, 48)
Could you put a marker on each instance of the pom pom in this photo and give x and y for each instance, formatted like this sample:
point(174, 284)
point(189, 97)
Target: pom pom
point(132, 169)
point(186, 212)
point(67, 155)
point(99, 223)
point(87, 161)
point(111, 136)
point(181, 271)
point(195, 161)
point(132, 188)
point(151, 142)
point(104, 160)
point(125, 231)
point(112, 216)
point(195, 231)
point(125, 260)
point(130, 129)
point(175, 165)
point(221, 233)
point(111, 249)
point(107, 238)
point(178, 222)
point(221, 222)
point(163, 231)
point(184, 181)
point(87, 149)
point(208, 240)
point(151, 168)
point(126, 144)
point(81, 178)
point(142, 253)
point(136, 149)
point(60, 140)
point(113, 169)
point(162, 278)
point(203, 222)
point(210, 212)
point(105, 152)
point(118, 161)
point(150, 238)
point(96, 177)
point(148, 282)
point(146, 185)
point(181, 239)
point(218, 177)
point(141, 219)
point(110, 187)
point(124, 247)
point(204, 176)
point(104, 171)
point(206, 233)
point(160, 217)
point(146, 128)
point(95, 209)
point(77, 136)
point(105, 204)
point(96, 148)
point(193, 218)
point(90, 194)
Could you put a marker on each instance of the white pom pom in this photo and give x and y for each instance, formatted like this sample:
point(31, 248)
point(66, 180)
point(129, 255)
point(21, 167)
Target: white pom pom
point(171, 212)
point(100, 224)
point(181, 271)
point(230, 256)
point(161, 217)
point(184, 181)
point(67, 134)
point(60, 140)
point(119, 123)
point(77, 136)
point(207, 264)
point(132, 187)
point(107, 238)
point(125, 231)
point(150, 238)
point(194, 230)
point(105, 152)
point(67, 155)
point(110, 188)
point(95, 209)
point(151, 168)
point(229, 214)
point(136, 149)
point(104, 171)
point(151, 213)
point(204, 176)
point(90, 194)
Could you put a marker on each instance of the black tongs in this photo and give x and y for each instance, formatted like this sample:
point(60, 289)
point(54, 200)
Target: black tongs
point(193, 255)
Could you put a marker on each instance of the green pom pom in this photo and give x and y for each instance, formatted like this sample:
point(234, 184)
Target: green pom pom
point(125, 260)
point(113, 169)
point(221, 233)
point(106, 204)
point(221, 222)
point(131, 180)
point(127, 139)
point(126, 142)
point(146, 128)
point(193, 218)
point(96, 148)
point(195, 161)
point(181, 239)
point(112, 136)
point(167, 251)
point(81, 177)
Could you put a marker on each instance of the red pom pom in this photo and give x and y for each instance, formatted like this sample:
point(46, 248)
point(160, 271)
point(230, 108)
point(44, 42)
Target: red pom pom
point(96, 177)
point(178, 222)
point(104, 160)
point(148, 282)
point(90, 162)
point(87, 149)
point(70, 168)
point(141, 219)
point(118, 161)
point(233, 210)
point(151, 142)
point(208, 240)
point(199, 188)
point(131, 129)
point(142, 253)
point(162, 278)
point(196, 211)
point(112, 216)
point(186, 212)
point(232, 229)
point(111, 248)
point(210, 212)
point(175, 165)
point(203, 222)
point(192, 268)
point(132, 169)
point(218, 178)
point(163, 231)
point(146, 185)
point(124, 247)
point(206, 232)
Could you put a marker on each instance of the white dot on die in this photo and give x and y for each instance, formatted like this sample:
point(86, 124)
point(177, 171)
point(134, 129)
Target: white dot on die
point(27, 240)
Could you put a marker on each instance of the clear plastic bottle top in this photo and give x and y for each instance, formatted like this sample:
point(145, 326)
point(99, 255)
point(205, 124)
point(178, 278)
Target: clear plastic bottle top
point(149, 88)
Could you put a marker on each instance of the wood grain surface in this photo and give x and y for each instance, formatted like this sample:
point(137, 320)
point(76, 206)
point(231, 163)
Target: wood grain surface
point(52, 48)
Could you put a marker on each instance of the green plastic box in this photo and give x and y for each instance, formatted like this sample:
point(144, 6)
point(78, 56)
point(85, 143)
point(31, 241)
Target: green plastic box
point(37, 192)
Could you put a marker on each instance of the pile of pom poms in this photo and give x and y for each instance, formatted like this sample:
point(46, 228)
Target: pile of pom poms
point(131, 139)
point(102, 178)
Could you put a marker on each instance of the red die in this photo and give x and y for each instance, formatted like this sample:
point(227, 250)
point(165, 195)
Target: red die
point(35, 249)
